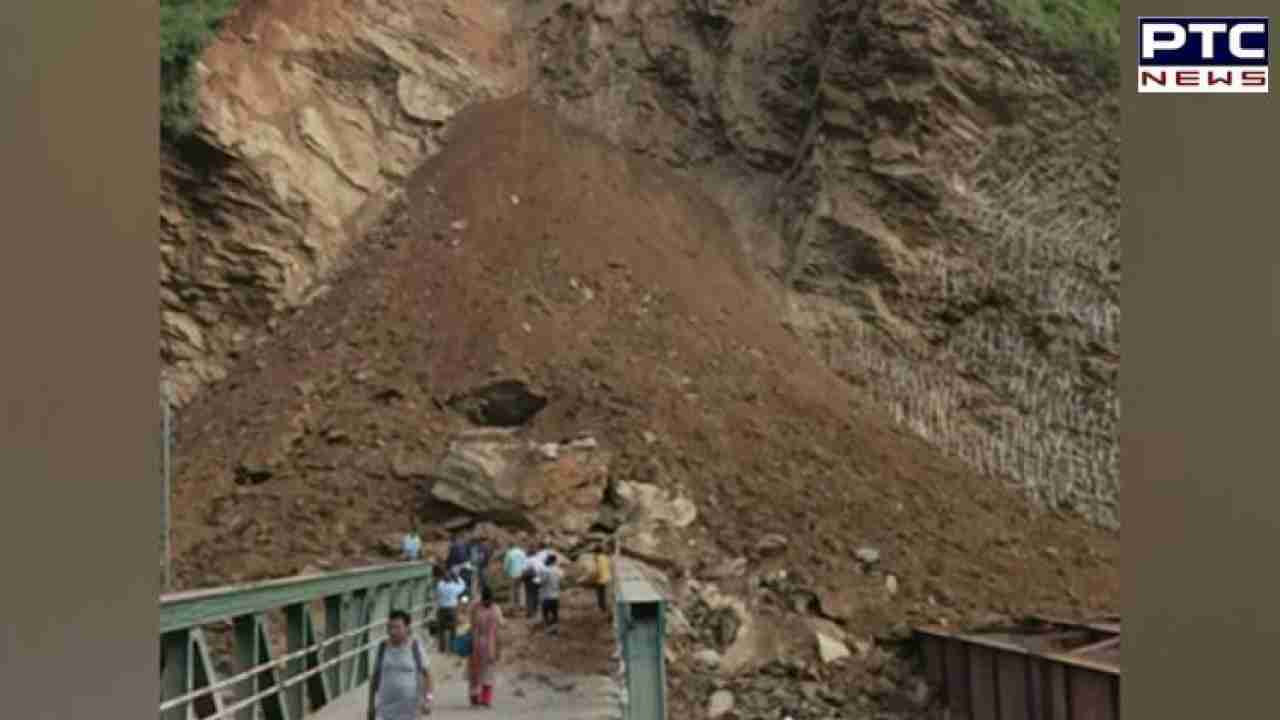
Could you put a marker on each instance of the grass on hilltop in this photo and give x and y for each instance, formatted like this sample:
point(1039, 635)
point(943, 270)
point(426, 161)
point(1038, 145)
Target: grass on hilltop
point(186, 28)
point(1090, 28)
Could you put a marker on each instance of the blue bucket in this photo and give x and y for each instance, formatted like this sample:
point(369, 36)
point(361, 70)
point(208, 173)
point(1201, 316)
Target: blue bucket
point(462, 645)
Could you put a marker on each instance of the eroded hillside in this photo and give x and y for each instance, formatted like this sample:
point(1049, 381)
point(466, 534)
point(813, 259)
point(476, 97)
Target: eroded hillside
point(933, 189)
point(787, 294)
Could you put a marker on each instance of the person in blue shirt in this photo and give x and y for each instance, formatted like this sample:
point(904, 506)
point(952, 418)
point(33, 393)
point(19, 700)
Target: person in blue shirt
point(513, 567)
point(448, 590)
point(411, 546)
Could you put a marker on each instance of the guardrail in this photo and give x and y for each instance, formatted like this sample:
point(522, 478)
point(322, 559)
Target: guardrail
point(1056, 670)
point(311, 672)
point(640, 622)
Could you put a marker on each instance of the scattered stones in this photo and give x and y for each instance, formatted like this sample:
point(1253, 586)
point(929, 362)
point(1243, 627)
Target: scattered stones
point(891, 584)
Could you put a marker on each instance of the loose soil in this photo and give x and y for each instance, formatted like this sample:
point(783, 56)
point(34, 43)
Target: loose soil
point(530, 249)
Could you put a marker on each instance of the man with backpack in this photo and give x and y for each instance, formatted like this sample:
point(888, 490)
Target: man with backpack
point(401, 679)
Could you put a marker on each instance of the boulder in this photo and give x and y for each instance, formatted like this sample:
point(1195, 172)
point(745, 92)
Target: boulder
point(721, 704)
point(707, 658)
point(655, 505)
point(831, 650)
point(492, 475)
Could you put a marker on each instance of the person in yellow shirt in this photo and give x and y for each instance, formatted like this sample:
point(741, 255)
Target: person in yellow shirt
point(601, 578)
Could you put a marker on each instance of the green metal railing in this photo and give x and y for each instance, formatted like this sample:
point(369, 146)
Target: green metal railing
point(313, 671)
point(640, 623)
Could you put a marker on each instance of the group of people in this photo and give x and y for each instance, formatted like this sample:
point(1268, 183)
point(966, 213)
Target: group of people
point(535, 583)
point(401, 685)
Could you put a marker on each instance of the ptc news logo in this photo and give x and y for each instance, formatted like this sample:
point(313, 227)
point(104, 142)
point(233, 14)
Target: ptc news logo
point(1202, 55)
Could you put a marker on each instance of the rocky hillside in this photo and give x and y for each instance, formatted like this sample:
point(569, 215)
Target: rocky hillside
point(312, 115)
point(787, 295)
point(932, 191)
point(932, 188)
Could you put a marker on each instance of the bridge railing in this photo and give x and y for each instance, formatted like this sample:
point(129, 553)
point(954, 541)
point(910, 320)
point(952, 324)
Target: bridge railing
point(321, 660)
point(640, 623)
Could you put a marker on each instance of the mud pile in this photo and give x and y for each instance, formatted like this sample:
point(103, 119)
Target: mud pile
point(530, 250)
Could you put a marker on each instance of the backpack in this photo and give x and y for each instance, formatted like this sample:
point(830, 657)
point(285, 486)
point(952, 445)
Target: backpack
point(375, 679)
point(418, 660)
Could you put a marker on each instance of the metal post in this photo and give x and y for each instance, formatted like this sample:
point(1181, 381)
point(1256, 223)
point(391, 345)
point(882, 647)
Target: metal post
point(164, 471)
point(641, 611)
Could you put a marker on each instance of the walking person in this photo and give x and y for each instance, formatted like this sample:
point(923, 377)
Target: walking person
point(549, 593)
point(411, 546)
point(514, 563)
point(401, 680)
point(478, 553)
point(486, 649)
point(534, 568)
point(601, 578)
point(448, 590)
point(457, 555)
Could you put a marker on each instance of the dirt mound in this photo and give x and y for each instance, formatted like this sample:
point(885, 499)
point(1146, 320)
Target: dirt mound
point(529, 250)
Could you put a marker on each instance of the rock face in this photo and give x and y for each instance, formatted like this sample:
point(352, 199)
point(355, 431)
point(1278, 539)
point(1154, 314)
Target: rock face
point(310, 121)
point(937, 192)
point(938, 198)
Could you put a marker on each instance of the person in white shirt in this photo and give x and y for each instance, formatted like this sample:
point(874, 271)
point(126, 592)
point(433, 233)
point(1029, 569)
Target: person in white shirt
point(411, 546)
point(534, 566)
point(549, 593)
point(448, 590)
point(400, 685)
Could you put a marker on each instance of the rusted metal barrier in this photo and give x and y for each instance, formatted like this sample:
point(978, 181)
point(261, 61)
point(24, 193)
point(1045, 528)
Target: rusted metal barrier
point(1048, 670)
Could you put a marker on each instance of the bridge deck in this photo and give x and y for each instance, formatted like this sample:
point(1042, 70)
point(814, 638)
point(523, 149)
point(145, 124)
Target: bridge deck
point(517, 696)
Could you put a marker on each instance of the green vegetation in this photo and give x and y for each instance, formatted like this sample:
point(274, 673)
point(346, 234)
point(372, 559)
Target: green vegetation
point(186, 27)
point(1088, 27)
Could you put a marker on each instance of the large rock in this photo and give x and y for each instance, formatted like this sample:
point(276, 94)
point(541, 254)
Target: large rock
point(721, 704)
point(493, 475)
point(654, 505)
point(830, 649)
